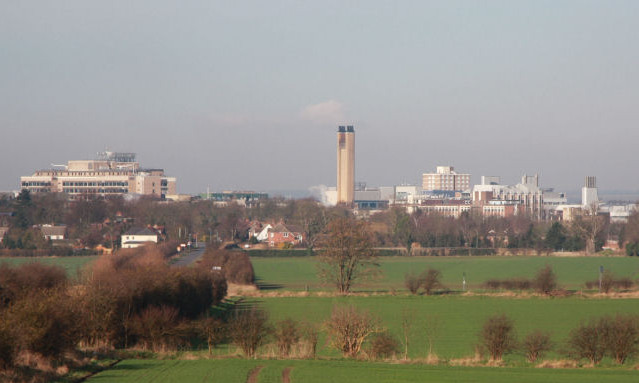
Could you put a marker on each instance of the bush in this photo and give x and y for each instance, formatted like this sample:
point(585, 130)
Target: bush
point(44, 324)
point(412, 282)
point(286, 334)
point(536, 344)
point(545, 281)
point(609, 282)
point(213, 330)
point(157, 328)
point(431, 279)
point(236, 266)
point(248, 330)
point(28, 278)
point(383, 345)
point(587, 341)
point(622, 337)
point(348, 329)
point(497, 336)
point(508, 284)
point(7, 347)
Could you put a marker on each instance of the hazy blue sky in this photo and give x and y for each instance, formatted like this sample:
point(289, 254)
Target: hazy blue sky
point(248, 95)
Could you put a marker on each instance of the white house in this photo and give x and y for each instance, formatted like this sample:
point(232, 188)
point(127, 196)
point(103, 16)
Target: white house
point(138, 236)
point(53, 233)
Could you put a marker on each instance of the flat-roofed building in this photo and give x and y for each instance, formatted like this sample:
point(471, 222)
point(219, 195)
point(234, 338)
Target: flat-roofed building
point(445, 178)
point(110, 175)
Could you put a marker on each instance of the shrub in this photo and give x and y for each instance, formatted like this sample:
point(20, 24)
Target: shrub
point(587, 341)
point(286, 334)
point(212, 329)
point(412, 282)
point(609, 282)
point(497, 336)
point(7, 347)
point(348, 329)
point(44, 324)
point(28, 278)
point(236, 266)
point(383, 345)
point(508, 284)
point(248, 330)
point(311, 337)
point(157, 328)
point(545, 280)
point(431, 279)
point(536, 344)
point(622, 336)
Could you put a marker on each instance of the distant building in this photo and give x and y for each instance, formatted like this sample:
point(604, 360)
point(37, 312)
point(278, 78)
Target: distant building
point(345, 164)
point(526, 194)
point(245, 197)
point(138, 236)
point(445, 179)
point(54, 233)
point(589, 196)
point(281, 234)
point(111, 174)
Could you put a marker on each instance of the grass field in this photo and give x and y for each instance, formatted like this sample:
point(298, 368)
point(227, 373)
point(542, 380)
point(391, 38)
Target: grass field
point(70, 264)
point(460, 318)
point(237, 371)
point(572, 272)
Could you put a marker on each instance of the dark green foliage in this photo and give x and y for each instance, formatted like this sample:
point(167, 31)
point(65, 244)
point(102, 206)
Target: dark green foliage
point(556, 237)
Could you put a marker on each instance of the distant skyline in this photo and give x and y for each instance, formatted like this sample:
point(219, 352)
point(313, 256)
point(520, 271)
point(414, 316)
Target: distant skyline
point(248, 95)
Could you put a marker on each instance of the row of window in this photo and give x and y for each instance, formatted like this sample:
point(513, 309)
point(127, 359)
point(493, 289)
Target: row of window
point(36, 183)
point(102, 191)
point(104, 183)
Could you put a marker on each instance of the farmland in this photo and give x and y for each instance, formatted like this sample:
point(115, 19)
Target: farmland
point(296, 273)
point(234, 370)
point(70, 264)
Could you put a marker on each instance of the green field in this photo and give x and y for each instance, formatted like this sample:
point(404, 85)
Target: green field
point(572, 272)
point(460, 318)
point(70, 264)
point(237, 371)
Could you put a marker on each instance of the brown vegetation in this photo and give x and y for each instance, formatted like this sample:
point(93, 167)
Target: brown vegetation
point(536, 344)
point(248, 330)
point(497, 336)
point(348, 329)
point(235, 266)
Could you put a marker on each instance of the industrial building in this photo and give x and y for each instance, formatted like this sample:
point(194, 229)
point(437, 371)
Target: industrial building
point(111, 174)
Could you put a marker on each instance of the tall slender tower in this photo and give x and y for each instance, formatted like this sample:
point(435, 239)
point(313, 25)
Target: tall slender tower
point(345, 164)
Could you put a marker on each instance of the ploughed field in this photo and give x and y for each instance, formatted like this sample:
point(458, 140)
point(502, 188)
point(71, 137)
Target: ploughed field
point(320, 371)
point(298, 273)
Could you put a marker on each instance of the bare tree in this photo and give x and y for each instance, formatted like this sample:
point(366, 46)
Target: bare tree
point(348, 255)
point(498, 336)
point(348, 329)
point(287, 334)
point(545, 280)
point(536, 344)
point(249, 329)
point(589, 226)
point(430, 280)
point(408, 318)
point(622, 337)
point(412, 282)
point(588, 341)
point(312, 218)
point(432, 331)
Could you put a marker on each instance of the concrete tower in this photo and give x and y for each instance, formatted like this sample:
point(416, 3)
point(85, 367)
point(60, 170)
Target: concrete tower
point(345, 164)
point(589, 192)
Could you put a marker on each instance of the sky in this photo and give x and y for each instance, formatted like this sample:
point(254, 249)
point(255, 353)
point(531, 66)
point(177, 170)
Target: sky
point(249, 94)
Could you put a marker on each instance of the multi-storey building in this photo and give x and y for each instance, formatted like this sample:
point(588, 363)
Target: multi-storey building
point(345, 164)
point(445, 179)
point(110, 175)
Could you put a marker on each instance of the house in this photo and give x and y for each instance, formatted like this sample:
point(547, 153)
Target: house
point(282, 234)
point(259, 231)
point(138, 236)
point(53, 232)
point(3, 231)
